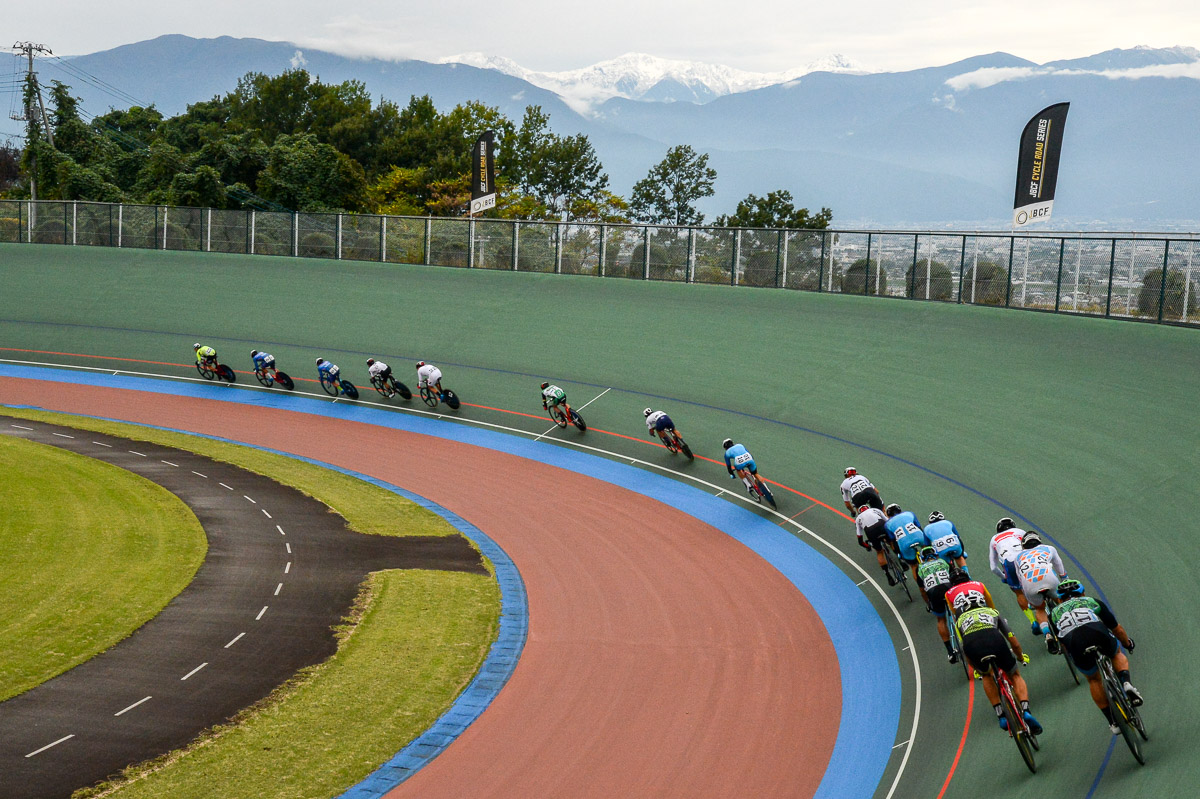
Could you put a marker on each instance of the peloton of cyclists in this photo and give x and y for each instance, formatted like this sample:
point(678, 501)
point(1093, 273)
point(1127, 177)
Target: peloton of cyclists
point(659, 424)
point(205, 355)
point(1037, 569)
point(1083, 622)
point(870, 525)
point(858, 491)
point(430, 377)
point(944, 538)
point(984, 632)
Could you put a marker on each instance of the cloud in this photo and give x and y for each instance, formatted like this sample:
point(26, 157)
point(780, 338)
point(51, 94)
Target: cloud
point(298, 60)
point(990, 76)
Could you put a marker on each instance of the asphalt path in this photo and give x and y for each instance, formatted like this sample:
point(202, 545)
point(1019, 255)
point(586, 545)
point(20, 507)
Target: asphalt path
point(280, 572)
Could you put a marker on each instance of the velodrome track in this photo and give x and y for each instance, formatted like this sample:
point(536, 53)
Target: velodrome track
point(1079, 426)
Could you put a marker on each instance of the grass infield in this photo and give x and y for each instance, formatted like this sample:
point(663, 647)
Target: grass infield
point(412, 642)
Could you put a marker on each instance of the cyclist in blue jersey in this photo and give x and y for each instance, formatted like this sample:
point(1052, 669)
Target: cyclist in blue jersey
point(739, 461)
point(262, 360)
point(328, 370)
point(903, 526)
point(944, 538)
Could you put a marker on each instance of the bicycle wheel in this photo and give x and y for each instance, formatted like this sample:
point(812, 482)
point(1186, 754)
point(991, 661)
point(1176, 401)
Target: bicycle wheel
point(401, 389)
point(205, 372)
point(428, 397)
point(1070, 663)
point(1122, 712)
point(557, 415)
point(687, 451)
point(1016, 726)
point(225, 373)
point(451, 399)
point(282, 379)
point(577, 420)
point(349, 390)
point(264, 378)
point(381, 387)
point(766, 492)
point(669, 443)
point(329, 386)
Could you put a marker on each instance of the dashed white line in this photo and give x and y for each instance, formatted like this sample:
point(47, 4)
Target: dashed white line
point(205, 476)
point(234, 641)
point(902, 743)
point(176, 465)
point(280, 529)
point(62, 435)
point(193, 671)
point(225, 486)
point(47, 746)
point(860, 582)
point(264, 510)
point(131, 707)
point(288, 567)
point(278, 588)
point(102, 444)
point(135, 452)
point(23, 427)
point(246, 497)
point(289, 547)
point(261, 612)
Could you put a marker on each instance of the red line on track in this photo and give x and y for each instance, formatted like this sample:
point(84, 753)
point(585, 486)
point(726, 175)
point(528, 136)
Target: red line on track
point(962, 741)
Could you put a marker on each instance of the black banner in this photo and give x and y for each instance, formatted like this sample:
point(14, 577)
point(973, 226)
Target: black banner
point(1037, 165)
point(483, 175)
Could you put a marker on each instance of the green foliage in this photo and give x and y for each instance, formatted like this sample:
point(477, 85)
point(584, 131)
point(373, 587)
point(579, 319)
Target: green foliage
point(862, 276)
point(935, 276)
point(306, 175)
point(776, 210)
point(990, 284)
point(670, 190)
point(1173, 302)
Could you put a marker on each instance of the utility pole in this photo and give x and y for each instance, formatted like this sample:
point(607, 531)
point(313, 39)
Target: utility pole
point(31, 113)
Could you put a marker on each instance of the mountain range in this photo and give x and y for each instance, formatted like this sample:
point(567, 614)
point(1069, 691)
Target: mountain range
point(926, 147)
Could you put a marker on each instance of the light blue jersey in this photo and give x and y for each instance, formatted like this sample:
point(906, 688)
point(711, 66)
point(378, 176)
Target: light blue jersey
point(944, 538)
point(263, 360)
point(738, 457)
point(328, 369)
point(909, 536)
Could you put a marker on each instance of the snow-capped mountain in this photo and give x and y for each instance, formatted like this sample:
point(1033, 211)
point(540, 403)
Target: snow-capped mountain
point(637, 76)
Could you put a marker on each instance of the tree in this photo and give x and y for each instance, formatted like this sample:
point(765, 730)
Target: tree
point(306, 175)
point(1152, 289)
point(10, 166)
point(668, 193)
point(940, 282)
point(774, 211)
point(990, 284)
point(864, 277)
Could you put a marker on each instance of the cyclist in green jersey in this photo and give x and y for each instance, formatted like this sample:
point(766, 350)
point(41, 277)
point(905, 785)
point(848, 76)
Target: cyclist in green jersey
point(985, 632)
point(552, 396)
point(1082, 622)
point(933, 578)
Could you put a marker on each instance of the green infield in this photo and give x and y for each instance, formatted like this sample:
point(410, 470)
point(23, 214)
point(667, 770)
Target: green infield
point(88, 553)
point(1084, 427)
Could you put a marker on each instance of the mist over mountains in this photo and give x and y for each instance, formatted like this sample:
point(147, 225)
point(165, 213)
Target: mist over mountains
point(928, 147)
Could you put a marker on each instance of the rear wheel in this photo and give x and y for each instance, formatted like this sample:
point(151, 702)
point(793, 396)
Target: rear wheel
point(225, 373)
point(766, 492)
point(401, 389)
point(282, 379)
point(687, 451)
point(451, 399)
point(577, 420)
point(1017, 729)
point(349, 390)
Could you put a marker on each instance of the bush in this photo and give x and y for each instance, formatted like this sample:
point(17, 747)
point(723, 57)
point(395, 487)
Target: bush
point(1151, 289)
point(318, 245)
point(863, 273)
point(761, 269)
point(940, 281)
point(991, 285)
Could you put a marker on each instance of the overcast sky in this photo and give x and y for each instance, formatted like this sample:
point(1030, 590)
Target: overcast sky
point(761, 35)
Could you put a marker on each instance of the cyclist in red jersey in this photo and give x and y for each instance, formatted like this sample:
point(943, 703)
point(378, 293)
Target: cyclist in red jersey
point(961, 585)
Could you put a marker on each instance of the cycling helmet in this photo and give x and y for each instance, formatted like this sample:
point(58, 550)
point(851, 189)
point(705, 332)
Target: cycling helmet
point(969, 599)
point(936, 516)
point(863, 509)
point(958, 576)
point(647, 412)
point(1030, 540)
point(370, 361)
point(253, 353)
point(196, 346)
point(850, 471)
point(545, 385)
point(892, 510)
point(422, 363)
point(1070, 588)
point(926, 554)
point(319, 361)
point(727, 443)
point(1005, 524)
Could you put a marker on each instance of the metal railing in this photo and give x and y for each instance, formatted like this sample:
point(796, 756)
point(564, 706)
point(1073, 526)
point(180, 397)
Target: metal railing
point(1146, 276)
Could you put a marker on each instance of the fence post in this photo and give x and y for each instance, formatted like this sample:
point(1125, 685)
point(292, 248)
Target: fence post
point(962, 264)
point(1187, 280)
point(428, 240)
point(253, 231)
point(110, 225)
point(1012, 243)
point(471, 243)
point(603, 248)
point(22, 218)
point(691, 255)
point(558, 235)
point(912, 272)
point(74, 222)
point(1162, 289)
point(867, 269)
point(1132, 261)
point(339, 235)
point(737, 256)
point(295, 234)
point(1112, 263)
point(516, 241)
point(781, 260)
point(821, 265)
point(1062, 246)
point(208, 233)
point(120, 224)
point(1025, 274)
point(166, 213)
point(383, 239)
point(1078, 268)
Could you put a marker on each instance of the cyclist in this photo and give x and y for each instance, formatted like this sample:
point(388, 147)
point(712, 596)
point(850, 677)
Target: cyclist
point(870, 525)
point(1005, 546)
point(962, 587)
point(933, 578)
point(984, 632)
point(205, 356)
point(658, 423)
point(380, 372)
point(739, 461)
point(1084, 622)
point(553, 396)
point(902, 525)
point(429, 376)
point(263, 361)
point(329, 371)
point(943, 536)
point(858, 491)
point(1037, 569)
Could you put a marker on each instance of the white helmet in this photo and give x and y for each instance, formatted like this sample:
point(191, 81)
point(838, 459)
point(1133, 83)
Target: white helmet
point(647, 412)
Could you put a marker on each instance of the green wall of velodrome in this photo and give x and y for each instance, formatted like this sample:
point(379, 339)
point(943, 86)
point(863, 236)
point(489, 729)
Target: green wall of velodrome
point(1086, 427)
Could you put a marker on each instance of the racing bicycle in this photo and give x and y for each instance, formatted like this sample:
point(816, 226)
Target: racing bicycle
point(390, 387)
point(560, 418)
point(956, 642)
point(269, 376)
point(1051, 601)
point(758, 488)
point(675, 443)
point(220, 371)
point(1018, 728)
point(1126, 716)
point(335, 385)
point(896, 568)
point(429, 395)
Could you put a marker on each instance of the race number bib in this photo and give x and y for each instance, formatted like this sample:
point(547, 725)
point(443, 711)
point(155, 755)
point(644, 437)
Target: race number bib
point(1035, 567)
point(743, 459)
point(1074, 618)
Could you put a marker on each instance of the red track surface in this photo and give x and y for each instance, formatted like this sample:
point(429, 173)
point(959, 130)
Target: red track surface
point(663, 657)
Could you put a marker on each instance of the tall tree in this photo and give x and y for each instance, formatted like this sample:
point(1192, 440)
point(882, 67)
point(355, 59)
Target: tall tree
point(776, 210)
point(669, 192)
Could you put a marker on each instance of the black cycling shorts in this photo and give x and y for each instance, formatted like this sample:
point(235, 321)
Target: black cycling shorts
point(978, 645)
point(868, 496)
point(877, 535)
point(937, 599)
point(1094, 633)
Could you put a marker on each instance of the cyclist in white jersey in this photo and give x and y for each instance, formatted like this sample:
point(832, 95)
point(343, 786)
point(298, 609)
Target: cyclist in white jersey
point(1038, 568)
point(429, 376)
point(658, 424)
point(858, 491)
point(870, 525)
point(1005, 546)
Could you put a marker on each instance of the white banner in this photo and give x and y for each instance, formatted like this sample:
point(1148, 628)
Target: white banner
point(1038, 212)
point(483, 203)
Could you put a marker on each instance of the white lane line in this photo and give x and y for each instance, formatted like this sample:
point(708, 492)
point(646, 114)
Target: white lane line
point(62, 435)
point(135, 452)
point(278, 588)
point(593, 399)
point(23, 427)
point(102, 444)
point(905, 649)
point(234, 641)
point(205, 476)
point(176, 465)
point(860, 582)
point(131, 707)
point(288, 567)
point(902, 743)
point(264, 510)
point(225, 486)
point(548, 432)
point(289, 546)
point(261, 612)
point(246, 497)
point(47, 746)
point(280, 529)
point(719, 493)
point(193, 671)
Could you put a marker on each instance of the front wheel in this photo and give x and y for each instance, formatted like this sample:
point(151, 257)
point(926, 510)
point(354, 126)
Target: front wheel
point(282, 379)
point(382, 387)
point(263, 377)
point(577, 420)
point(556, 413)
point(428, 396)
point(328, 384)
point(349, 390)
point(205, 372)
point(225, 373)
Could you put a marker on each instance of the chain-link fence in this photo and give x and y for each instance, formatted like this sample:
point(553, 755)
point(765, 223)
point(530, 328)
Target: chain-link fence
point(1152, 277)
